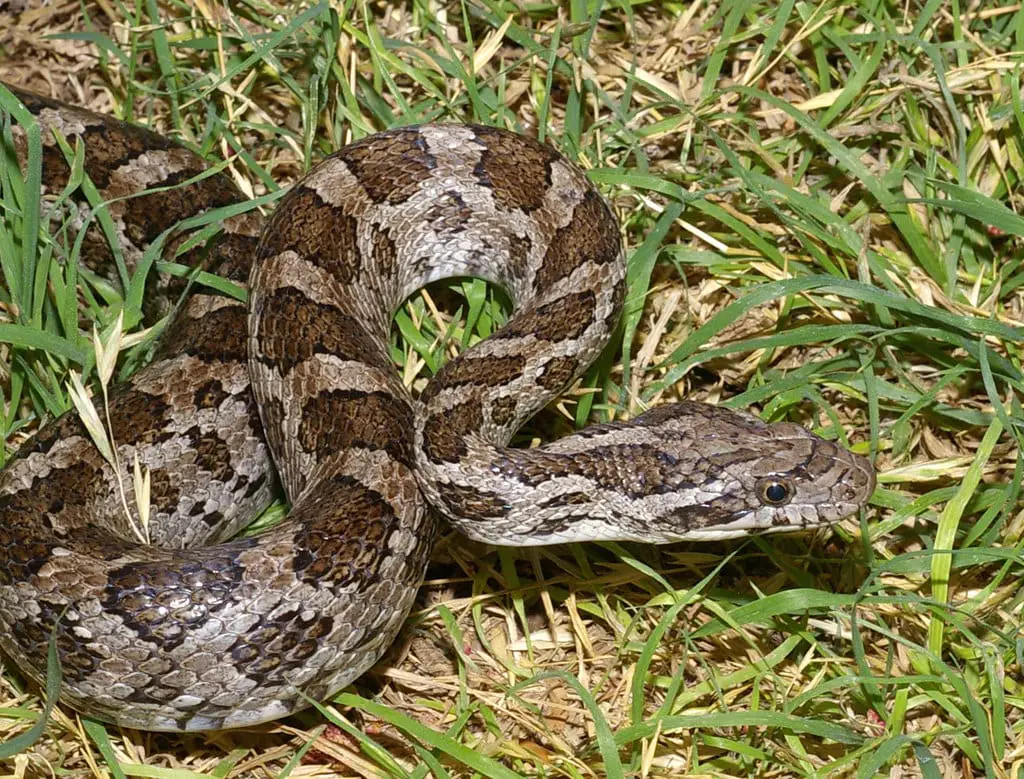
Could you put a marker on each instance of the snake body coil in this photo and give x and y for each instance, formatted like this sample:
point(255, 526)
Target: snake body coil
point(196, 632)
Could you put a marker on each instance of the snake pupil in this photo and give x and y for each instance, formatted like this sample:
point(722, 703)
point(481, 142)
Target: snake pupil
point(776, 493)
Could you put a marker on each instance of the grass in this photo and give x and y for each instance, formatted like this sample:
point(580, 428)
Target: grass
point(821, 207)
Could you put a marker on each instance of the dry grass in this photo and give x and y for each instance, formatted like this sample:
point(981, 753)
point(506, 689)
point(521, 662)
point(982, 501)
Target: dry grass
point(820, 204)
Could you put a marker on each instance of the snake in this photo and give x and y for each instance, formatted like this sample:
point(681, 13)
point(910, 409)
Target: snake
point(199, 628)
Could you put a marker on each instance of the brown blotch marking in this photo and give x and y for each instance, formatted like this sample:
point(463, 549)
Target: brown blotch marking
point(385, 255)
point(97, 256)
point(734, 453)
point(503, 411)
point(566, 500)
point(33, 634)
point(560, 320)
point(293, 328)
point(110, 147)
point(139, 418)
point(347, 543)
point(390, 167)
point(111, 144)
point(108, 142)
point(76, 485)
point(472, 503)
point(26, 538)
point(210, 395)
point(147, 216)
point(290, 638)
point(516, 169)
point(217, 336)
point(591, 236)
point(444, 432)
point(342, 419)
point(489, 371)
point(317, 231)
point(254, 486)
point(213, 454)
point(231, 256)
point(209, 518)
point(558, 372)
point(136, 591)
point(650, 471)
point(519, 248)
point(55, 170)
point(164, 493)
point(716, 512)
point(65, 426)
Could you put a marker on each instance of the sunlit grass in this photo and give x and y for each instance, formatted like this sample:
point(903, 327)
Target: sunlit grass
point(820, 205)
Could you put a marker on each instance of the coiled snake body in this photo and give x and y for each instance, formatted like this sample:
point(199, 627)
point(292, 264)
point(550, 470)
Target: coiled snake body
point(196, 632)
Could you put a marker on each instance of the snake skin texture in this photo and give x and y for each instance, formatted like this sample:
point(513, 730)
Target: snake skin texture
point(198, 630)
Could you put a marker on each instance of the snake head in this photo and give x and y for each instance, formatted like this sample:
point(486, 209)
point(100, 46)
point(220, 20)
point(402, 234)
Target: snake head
point(680, 472)
point(738, 475)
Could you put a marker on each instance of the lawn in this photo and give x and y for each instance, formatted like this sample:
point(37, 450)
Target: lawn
point(819, 203)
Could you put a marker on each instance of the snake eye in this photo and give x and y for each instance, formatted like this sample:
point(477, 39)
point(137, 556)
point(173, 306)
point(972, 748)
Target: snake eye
point(775, 492)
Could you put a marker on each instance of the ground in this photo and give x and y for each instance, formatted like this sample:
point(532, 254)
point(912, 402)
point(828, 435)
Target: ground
point(820, 207)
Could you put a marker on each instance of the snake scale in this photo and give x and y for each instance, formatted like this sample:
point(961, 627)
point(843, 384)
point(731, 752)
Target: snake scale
point(199, 630)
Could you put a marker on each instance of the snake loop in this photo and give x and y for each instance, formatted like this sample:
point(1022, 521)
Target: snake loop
point(197, 630)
